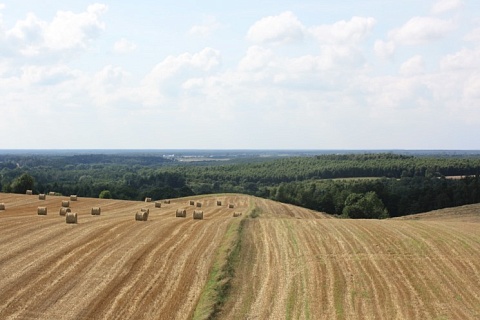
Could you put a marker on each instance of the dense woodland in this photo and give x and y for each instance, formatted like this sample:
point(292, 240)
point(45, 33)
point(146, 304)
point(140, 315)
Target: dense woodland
point(350, 185)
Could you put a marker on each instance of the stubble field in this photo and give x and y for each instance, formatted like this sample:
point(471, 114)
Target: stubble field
point(290, 262)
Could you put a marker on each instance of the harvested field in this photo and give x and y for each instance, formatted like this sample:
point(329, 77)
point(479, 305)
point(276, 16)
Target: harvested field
point(292, 263)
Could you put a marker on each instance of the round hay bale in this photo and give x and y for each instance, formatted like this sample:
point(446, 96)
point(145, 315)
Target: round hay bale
point(96, 211)
point(231, 206)
point(192, 203)
point(182, 213)
point(42, 196)
point(199, 205)
point(29, 192)
point(73, 197)
point(42, 211)
point(198, 214)
point(2, 206)
point(219, 203)
point(71, 217)
point(51, 193)
point(148, 199)
point(65, 203)
point(166, 201)
point(64, 211)
point(141, 216)
point(158, 204)
point(237, 214)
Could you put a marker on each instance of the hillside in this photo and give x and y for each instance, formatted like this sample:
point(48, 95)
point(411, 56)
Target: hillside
point(291, 263)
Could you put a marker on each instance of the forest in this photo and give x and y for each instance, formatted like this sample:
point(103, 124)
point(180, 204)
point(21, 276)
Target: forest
point(369, 185)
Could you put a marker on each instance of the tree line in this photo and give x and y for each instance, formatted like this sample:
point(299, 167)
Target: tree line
point(350, 185)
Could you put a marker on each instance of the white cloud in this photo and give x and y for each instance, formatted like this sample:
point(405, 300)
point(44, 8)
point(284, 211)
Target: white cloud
point(421, 30)
point(346, 32)
point(280, 29)
point(466, 59)
point(384, 49)
point(442, 6)
point(209, 25)
point(413, 66)
point(66, 32)
point(51, 75)
point(124, 46)
point(473, 36)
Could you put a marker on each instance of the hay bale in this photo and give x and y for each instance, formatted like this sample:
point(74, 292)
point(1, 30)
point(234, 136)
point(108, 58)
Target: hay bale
point(71, 217)
point(141, 216)
point(231, 206)
point(2, 206)
point(73, 197)
point(42, 211)
point(198, 214)
point(64, 211)
point(145, 210)
point(158, 204)
point(219, 203)
point(237, 214)
point(166, 201)
point(182, 213)
point(29, 192)
point(96, 211)
point(199, 205)
point(65, 203)
point(42, 196)
point(192, 203)
point(148, 199)
point(51, 193)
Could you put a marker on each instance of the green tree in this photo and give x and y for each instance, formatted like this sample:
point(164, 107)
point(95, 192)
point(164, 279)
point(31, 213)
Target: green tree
point(105, 194)
point(23, 183)
point(364, 206)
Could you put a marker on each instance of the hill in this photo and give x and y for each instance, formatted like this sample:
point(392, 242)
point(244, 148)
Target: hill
point(288, 263)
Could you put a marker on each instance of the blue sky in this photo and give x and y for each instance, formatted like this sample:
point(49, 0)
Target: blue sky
point(248, 75)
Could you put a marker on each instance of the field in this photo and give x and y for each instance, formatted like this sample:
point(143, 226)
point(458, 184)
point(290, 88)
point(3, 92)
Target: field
point(289, 262)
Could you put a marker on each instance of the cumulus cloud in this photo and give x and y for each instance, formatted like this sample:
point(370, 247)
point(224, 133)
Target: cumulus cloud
point(209, 25)
point(350, 32)
point(67, 31)
point(124, 46)
point(421, 30)
point(280, 29)
point(442, 6)
point(413, 66)
point(465, 59)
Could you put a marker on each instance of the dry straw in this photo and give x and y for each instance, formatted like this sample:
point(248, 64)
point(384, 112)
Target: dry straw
point(64, 211)
point(237, 214)
point(51, 193)
point(96, 211)
point(148, 199)
point(2, 206)
point(73, 197)
point(42, 211)
point(219, 203)
point(197, 214)
point(71, 217)
point(158, 204)
point(231, 205)
point(166, 201)
point(199, 204)
point(182, 213)
point(29, 192)
point(192, 203)
point(42, 196)
point(65, 203)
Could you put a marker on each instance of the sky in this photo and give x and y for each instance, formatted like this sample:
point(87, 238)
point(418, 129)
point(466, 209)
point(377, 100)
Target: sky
point(303, 74)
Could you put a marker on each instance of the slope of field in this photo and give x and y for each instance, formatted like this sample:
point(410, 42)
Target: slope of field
point(355, 269)
point(108, 266)
point(467, 213)
point(293, 263)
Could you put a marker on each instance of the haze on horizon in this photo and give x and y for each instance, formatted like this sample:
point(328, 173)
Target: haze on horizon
point(247, 75)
